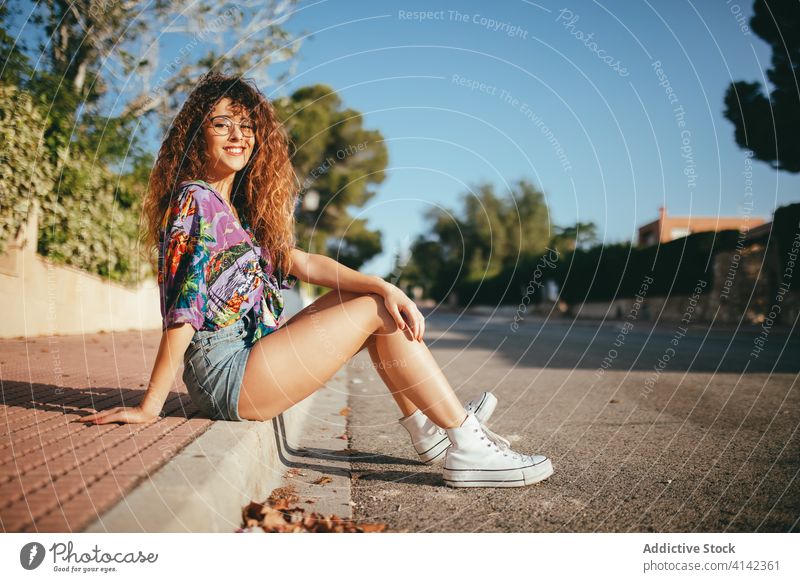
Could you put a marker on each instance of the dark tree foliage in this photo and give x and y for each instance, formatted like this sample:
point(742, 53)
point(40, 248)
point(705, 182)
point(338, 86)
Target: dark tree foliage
point(769, 126)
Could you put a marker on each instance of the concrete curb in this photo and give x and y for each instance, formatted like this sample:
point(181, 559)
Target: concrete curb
point(205, 486)
point(320, 470)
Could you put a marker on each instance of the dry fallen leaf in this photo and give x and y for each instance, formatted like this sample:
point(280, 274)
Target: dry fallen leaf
point(283, 494)
point(273, 519)
point(345, 411)
point(323, 480)
point(280, 518)
point(372, 527)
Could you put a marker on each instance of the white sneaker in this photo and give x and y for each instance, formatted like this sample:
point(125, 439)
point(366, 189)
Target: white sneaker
point(474, 460)
point(431, 442)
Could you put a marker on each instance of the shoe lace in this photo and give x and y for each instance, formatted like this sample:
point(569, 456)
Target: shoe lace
point(503, 446)
point(503, 443)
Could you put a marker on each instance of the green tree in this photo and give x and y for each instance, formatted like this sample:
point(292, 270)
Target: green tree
point(15, 65)
point(483, 225)
point(580, 235)
point(94, 47)
point(341, 162)
point(63, 144)
point(528, 220)
point(490, 236)
point(358, 244)
point(96, 52)
point(769, 126)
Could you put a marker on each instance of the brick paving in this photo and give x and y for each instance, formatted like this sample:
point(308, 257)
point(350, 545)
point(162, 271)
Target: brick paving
point(57, 474)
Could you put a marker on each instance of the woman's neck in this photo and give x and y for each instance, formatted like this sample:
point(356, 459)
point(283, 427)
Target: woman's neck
point(222, 185)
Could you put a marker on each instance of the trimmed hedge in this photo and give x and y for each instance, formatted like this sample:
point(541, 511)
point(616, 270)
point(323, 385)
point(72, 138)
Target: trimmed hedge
point(608, 272)
point(785, 228)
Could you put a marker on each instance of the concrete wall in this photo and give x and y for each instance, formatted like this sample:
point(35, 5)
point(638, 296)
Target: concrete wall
point(672, 308)
point(677, 307)
point(44, 298)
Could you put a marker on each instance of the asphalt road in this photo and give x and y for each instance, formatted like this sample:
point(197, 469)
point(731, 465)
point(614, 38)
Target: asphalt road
point(651, 430)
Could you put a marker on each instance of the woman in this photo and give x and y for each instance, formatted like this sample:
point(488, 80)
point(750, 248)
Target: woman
point(220, 205)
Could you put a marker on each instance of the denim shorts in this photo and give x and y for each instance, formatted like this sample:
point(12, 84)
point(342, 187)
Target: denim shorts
point(214, 366)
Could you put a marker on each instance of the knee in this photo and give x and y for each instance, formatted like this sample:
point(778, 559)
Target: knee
point(336, 296)
point(385, 320)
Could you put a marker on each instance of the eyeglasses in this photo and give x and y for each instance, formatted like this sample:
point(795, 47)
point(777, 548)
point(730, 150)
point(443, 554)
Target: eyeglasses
point(223, 125)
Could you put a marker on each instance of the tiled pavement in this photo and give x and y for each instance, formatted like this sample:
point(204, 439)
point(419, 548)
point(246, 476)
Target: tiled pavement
point(59, 475)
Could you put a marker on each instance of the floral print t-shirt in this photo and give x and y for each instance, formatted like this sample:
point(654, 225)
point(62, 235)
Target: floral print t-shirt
point(211, 272)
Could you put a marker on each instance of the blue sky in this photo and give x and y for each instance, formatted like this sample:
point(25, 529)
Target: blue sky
point(601, 139)
point(620, 143)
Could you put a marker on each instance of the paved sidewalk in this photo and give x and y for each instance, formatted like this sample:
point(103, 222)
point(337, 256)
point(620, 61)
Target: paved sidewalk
point(60, 475)
point(56, 474)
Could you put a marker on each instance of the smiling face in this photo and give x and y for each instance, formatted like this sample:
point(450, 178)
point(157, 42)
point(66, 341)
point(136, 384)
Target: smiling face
point(229, 153)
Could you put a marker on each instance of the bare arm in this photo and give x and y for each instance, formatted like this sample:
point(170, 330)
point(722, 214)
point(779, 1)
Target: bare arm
point(174, 342)
point(322, 270)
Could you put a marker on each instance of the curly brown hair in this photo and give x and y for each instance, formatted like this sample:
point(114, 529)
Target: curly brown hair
point(264, 191)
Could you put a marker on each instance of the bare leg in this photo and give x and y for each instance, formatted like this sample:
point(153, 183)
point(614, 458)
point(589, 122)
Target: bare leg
point(395, 385)
point(411, 366)
point(290, 364)
point(406, 406)
point(335, 297)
